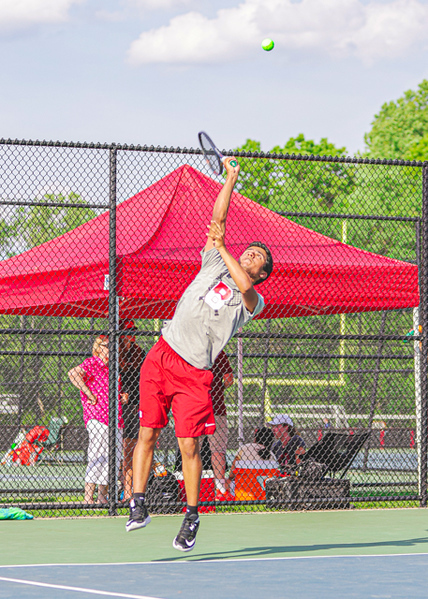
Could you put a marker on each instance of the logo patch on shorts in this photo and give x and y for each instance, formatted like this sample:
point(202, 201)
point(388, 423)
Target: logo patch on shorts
point(219, 295)
point(140, 414)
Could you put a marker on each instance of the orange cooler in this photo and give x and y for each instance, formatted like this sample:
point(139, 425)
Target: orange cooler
point(250, 480)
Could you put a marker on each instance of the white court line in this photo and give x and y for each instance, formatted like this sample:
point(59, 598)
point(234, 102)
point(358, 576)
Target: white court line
point(208, 560)
point(76, 589)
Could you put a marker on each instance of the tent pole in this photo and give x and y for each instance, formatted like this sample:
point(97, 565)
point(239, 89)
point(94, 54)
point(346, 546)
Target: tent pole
point(240, 392)
point(113, 323)
point(375, 384)
point(418, 396)
point(23, 320)
point(262, 417)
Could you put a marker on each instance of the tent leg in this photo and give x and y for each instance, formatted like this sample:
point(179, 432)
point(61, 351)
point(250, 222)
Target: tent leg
point(418, 397)
point(240, 391)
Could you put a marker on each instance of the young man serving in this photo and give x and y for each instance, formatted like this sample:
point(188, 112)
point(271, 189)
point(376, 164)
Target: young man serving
point(176, 372)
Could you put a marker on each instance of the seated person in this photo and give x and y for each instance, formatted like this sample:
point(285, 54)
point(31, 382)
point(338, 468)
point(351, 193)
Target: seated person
point(289, 445)
point(252, 461)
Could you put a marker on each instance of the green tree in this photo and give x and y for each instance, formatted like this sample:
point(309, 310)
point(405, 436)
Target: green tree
point(8, 235)
point(22, 229)
point(399, 125)
point(43, 223)
point(336, 187)
point(32, 225)
point(288, 185)
point(419, 150)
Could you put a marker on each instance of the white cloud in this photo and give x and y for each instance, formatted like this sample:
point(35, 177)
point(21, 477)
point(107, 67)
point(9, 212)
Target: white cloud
point(370, 30)
point(16, 15)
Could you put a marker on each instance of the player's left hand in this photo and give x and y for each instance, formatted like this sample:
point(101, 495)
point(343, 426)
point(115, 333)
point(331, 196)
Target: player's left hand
point(232, 171)
point(216, 232)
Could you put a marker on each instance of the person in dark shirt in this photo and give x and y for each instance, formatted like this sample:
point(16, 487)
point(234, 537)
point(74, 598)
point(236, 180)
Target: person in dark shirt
point(131, 356)
point(289, 446)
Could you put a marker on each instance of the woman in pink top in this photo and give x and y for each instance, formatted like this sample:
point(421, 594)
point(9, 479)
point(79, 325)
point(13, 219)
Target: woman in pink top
point(91, 378)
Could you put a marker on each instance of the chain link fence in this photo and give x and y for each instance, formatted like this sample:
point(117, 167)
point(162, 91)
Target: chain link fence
point(320, 403)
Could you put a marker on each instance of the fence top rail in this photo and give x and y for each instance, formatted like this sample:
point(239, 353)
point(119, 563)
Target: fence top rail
point(178, 150)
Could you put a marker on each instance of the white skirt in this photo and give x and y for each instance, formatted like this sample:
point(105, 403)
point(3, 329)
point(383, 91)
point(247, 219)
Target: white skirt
point(97, 468)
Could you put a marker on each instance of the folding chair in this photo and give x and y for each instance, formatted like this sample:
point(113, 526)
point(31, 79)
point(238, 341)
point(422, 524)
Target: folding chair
point(53, 444)
point(337, 450)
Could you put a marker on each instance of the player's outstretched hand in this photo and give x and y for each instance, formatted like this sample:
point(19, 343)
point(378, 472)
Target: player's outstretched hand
point(232, 171)
point(216, 232)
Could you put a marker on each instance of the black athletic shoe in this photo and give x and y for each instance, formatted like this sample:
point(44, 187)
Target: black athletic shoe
point(139, 516)
point(186, 538)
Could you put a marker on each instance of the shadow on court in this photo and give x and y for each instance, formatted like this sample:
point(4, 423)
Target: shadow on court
point(253, 552)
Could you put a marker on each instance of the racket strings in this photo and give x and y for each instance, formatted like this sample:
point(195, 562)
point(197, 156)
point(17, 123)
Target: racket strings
point(211, 154)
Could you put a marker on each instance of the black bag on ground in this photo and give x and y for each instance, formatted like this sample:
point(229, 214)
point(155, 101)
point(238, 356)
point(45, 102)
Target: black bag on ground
point(299, 493)
point(163, 494)
point(311, 470)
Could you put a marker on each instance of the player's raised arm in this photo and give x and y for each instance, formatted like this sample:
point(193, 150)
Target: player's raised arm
point(243, 277)
point(221, 206)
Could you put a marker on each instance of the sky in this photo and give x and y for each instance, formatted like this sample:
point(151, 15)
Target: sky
point(156, 72)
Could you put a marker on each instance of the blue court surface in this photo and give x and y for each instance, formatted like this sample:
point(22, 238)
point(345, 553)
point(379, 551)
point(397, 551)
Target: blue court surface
point(361, 554)
point(324, 577)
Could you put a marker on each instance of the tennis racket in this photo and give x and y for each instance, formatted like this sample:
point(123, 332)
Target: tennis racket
point(213, 156)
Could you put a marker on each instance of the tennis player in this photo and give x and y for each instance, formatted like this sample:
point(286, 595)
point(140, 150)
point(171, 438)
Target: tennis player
point(176, 372)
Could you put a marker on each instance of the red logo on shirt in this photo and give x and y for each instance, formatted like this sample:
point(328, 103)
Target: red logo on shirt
point(223, 290)
point(218, 295)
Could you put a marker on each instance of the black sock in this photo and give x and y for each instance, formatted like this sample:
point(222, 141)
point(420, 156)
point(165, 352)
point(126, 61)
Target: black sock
point(192, 510)
point(139, 496)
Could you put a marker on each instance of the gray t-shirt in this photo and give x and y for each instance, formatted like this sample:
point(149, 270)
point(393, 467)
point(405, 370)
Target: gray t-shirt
point(208, 314)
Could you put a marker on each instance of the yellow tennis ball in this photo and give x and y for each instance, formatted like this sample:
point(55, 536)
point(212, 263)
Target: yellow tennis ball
point(267, 44)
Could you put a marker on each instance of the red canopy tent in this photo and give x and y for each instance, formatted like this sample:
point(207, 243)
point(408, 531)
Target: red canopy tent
point(160, 233)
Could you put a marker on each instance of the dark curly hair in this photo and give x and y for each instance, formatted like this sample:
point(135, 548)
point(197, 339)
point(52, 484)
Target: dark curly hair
point(264, 436)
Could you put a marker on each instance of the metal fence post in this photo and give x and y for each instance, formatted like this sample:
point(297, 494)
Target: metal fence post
point(113, 335)
point(424, 353)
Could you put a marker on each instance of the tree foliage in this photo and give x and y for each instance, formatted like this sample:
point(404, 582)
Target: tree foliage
point(32, 225)
point(400, 125)
point(335, 187)
point(289, 185)
point(419, 150)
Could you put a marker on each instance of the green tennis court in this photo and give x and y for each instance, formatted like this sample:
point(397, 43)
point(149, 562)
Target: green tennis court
point(382, 553)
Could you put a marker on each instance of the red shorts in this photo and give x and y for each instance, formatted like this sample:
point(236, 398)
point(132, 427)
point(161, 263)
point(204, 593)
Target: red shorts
point(167, 381)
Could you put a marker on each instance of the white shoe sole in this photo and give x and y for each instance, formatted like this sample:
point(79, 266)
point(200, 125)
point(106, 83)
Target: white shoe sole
point(137, 525)
point(180, 548)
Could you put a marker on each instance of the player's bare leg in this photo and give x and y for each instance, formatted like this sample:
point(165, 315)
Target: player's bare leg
point(143, 457)
point(128, 452)
point(141, 467)
point(192, 470)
